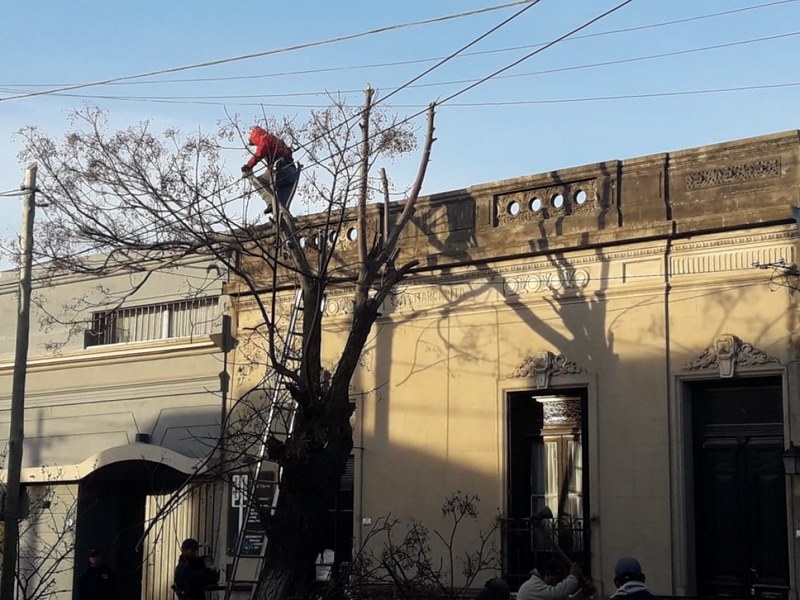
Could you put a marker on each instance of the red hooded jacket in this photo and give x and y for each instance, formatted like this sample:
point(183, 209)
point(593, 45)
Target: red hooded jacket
point(268, 147)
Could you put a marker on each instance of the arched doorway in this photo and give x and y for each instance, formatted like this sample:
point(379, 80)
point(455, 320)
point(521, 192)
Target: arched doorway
point(111, 512)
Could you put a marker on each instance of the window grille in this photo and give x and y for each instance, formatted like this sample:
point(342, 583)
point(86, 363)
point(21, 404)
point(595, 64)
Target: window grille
point(184, 318)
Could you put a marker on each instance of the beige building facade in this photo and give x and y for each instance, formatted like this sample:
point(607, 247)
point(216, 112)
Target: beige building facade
point(598, 340)
point(122, 407)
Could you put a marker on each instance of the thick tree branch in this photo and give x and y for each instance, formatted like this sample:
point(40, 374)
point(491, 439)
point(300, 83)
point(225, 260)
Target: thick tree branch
point(364, 178)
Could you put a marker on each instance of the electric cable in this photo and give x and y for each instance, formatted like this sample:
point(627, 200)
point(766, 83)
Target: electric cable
point(178, 99)
point(7, 87)
point(264, 52)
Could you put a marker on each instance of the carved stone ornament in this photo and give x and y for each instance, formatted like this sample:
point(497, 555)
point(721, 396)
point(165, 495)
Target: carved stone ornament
point(560, 411)
point(543, 366)
point(726, 353)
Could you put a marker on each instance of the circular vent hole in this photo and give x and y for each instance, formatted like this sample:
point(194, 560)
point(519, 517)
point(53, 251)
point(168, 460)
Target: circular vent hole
point(513, 208)
point(536, 204)
point(558, 201)
point(581, 198)
point(352, 234)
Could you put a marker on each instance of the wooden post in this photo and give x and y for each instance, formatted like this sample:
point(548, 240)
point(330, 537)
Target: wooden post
point(17, 426)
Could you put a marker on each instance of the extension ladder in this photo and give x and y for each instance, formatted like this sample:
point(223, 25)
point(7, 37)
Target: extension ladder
point(279, 422)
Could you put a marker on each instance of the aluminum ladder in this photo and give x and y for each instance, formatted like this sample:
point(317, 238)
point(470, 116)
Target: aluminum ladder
point(277, 408)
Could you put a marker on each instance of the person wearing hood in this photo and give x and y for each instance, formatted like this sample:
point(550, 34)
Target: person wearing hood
point(629, 579)
point(278, 158)
point(549, 583)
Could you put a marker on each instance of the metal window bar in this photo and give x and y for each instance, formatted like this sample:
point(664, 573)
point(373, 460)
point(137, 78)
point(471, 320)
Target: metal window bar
point(525, 547)
point(277, 405)
point(184, 318)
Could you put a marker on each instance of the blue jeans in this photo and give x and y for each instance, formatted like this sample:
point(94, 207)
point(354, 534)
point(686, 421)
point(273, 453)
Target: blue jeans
point(286, 178)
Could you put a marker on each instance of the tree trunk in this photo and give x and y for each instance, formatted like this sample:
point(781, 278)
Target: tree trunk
point(288, 572)
point(313, 460)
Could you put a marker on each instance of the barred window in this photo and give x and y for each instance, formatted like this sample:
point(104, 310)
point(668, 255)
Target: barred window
point(185, 318)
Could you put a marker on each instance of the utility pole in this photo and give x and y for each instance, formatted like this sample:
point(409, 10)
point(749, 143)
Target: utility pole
point(17, 426)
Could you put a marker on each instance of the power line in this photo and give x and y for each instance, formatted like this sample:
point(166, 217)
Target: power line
point(274, 51)
point(415, 61)
point(484, 79)
point(491, 75)
point(632, 96)
point(452, 55)
point(535, 52)
point(521, 102)
point(175, 99)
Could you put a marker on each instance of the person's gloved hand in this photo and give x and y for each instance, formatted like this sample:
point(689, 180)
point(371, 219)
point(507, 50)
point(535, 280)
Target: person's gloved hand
point(246, 171)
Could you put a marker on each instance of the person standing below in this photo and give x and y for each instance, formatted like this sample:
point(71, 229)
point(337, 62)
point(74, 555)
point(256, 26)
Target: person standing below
point(97, 582)
point(549, 583)
point(278, 158)
point(495, 589)
point(193, 575)
point(629, 579)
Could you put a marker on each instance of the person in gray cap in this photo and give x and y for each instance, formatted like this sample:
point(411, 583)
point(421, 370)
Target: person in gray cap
point(629, 579)
point(192, 575)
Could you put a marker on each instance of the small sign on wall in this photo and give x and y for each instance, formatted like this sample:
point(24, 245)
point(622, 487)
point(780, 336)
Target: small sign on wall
point(252, 544)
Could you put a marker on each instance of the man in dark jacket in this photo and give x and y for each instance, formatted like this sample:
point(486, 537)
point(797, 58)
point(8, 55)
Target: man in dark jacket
point(97, 582)
point(278, 158)
point(629, 579)
point(495, 589)
point(192, 575)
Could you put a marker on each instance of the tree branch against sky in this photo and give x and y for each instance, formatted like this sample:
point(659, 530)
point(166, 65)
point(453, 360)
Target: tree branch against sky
point(139, 201)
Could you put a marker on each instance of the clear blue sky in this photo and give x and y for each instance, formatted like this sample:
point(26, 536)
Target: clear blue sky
point(56, 42)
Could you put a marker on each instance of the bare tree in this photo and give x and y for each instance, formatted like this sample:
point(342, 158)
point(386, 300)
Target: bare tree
point(409, 560)
point(47, 542)
point(134, 201)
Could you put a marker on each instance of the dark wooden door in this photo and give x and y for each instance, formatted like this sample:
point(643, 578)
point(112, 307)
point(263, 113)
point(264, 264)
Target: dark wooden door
point(740, 494)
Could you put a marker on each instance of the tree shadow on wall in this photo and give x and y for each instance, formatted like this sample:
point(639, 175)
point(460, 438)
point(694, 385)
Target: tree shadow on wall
point(575, 323)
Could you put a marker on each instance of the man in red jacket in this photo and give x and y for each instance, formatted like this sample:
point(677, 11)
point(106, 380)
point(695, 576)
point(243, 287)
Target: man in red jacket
point(278, 158)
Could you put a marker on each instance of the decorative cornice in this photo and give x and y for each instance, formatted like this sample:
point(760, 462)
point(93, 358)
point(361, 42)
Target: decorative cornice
point(726, 353)
point(787, 234)
point(543, 366)
point(147, 350)
point(559, 275)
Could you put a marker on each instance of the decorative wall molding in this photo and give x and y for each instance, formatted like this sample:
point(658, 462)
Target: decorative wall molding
point(505, 282)
point(726, 353)
point(560, 411)
point(740, 260)
point(537, 204)
point(561, 280)
point(761, 238)
point(761, 169)
point(543, 366)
